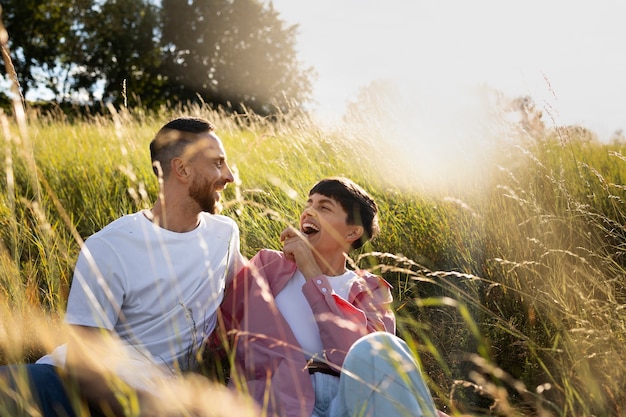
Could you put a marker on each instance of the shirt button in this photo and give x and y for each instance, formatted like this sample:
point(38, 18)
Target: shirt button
point(323, 289)
point(319, 281)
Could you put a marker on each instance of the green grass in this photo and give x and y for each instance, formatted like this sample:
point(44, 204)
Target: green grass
point(509, 284)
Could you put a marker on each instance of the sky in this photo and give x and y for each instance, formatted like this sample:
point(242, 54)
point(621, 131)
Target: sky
point(568, 56)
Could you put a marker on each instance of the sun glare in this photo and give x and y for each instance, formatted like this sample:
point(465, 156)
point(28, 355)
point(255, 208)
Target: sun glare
point(436, 140)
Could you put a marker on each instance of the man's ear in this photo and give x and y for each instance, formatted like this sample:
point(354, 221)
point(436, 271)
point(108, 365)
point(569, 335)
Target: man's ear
point(355, 233)
point(179, 169)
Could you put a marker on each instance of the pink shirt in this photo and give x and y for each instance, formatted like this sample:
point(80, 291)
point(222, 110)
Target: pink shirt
point(269, 362)
point(295, 308)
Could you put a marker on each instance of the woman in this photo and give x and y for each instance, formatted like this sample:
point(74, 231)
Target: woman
point(313, 338)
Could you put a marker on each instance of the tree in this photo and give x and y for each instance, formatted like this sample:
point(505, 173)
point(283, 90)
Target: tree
point(232, 53)
point(122, 50)
point(376, 105)
point(41, 35)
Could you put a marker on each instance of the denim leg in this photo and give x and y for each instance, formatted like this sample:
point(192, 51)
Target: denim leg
point(325, 387)
point(380, 377)
point(30, 389)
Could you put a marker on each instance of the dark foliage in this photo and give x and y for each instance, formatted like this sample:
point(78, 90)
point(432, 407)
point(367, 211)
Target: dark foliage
point(234, 54)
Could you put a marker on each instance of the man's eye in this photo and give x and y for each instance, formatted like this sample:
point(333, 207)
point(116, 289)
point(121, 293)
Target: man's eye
point(219, 164)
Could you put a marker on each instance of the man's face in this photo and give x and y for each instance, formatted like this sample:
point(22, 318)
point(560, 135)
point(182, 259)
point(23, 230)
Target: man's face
point(210, 173)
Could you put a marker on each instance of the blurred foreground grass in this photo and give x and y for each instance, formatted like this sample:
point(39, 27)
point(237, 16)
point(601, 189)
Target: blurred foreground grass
point(508, 277)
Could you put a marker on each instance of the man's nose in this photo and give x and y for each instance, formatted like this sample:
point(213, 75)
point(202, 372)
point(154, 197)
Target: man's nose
point(228, 174)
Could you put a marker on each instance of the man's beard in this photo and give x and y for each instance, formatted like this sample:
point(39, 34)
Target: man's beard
point(203, 193)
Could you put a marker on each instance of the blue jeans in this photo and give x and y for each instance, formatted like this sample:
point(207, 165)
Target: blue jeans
point(25, 388)
point(380, 377)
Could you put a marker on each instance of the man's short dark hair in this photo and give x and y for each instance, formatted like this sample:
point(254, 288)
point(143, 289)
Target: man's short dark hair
point(172, 139)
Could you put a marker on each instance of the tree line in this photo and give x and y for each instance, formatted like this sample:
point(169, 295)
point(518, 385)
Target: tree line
point(235, 54)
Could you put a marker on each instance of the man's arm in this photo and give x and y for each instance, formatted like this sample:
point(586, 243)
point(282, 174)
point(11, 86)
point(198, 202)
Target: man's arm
point(89, 353)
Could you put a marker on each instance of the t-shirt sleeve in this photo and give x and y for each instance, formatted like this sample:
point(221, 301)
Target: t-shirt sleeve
point(97, 289)
point(236, 260)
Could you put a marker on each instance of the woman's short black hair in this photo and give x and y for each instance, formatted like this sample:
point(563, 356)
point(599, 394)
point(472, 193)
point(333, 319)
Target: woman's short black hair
point(357, 203)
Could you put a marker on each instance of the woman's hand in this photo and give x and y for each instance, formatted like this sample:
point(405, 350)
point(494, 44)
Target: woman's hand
point(297, 248)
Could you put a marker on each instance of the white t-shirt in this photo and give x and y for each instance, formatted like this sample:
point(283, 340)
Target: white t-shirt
point(294, 306)
point(158, 290)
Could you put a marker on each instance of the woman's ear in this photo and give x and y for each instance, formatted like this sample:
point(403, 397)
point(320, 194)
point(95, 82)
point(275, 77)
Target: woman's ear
point(354, 234)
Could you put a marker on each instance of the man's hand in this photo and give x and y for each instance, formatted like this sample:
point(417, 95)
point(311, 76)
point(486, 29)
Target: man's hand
point(111, 375)
point(87, 364)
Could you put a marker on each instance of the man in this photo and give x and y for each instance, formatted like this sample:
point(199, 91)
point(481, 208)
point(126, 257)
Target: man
point(146, 287)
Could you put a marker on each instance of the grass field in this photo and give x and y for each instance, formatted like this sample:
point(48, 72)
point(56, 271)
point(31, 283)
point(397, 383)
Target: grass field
point(508, 273)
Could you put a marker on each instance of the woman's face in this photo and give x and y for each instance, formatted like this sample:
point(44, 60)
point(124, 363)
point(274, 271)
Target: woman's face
point(323, 221)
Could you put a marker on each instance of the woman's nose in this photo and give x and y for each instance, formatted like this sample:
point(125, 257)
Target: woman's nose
point(309, 211)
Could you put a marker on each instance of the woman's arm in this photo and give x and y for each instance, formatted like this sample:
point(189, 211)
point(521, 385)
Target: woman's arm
point(341, 323)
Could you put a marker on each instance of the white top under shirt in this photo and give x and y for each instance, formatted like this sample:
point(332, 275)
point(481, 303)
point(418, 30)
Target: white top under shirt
point(158, 290)
point(294, 306)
